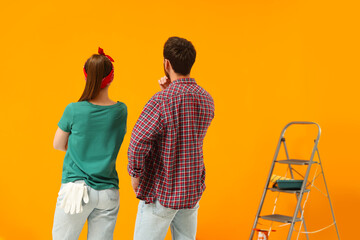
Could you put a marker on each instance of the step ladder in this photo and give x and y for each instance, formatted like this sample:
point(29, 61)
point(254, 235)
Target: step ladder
point(291, 220)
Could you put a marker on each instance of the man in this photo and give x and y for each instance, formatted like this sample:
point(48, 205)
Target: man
point(166, 149)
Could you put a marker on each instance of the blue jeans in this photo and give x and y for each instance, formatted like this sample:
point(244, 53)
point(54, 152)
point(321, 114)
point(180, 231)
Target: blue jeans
point(101, 212)
point(153, 221)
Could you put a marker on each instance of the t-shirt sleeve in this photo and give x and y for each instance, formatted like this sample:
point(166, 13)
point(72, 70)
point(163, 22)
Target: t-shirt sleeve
point(126, 115)
point(66, 120)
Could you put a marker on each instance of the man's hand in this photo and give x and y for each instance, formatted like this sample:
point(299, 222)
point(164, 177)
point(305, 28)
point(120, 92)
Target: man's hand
point(164, 82)
point(135, 183)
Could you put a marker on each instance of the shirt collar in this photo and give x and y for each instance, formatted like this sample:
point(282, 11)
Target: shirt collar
point(184, 81)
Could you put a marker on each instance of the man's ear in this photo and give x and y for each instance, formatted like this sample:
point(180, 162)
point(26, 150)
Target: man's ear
point(168, 66)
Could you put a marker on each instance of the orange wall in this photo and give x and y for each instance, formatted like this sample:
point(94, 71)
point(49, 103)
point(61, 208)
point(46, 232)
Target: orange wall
point(265, 62)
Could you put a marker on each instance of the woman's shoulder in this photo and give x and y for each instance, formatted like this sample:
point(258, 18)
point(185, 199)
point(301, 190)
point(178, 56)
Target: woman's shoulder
point(118, 111)
point(76, 105)
point(69, 106)
point(117, 106)
point(121, 106)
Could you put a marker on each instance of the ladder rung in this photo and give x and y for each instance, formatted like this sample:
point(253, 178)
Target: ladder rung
point(287, 191)
point(295, 162)
point(280, 218)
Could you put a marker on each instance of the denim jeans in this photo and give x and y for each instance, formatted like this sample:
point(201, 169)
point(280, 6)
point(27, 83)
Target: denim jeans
point(101, 212)
point(153, 221)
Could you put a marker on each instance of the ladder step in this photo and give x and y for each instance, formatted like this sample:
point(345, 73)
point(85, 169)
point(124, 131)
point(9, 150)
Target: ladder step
point(287, 191)
point(295, 162)
point(279, 218)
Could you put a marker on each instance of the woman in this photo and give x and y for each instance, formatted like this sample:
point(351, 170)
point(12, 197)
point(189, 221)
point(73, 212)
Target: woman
point(90, 132)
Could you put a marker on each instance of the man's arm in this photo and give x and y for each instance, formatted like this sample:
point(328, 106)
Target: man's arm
point(143, 137)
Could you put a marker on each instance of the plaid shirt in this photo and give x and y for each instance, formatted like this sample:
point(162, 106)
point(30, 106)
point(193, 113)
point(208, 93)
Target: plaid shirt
point(166, 147)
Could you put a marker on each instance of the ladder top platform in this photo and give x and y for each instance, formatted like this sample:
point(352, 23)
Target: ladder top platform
point(287, 191)
point(280, 218)
point(295, 162)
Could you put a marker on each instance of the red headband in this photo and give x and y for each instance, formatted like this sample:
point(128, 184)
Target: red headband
point(108, 79)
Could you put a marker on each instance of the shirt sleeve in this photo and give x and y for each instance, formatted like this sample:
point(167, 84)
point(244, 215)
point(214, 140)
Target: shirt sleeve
point(143, 137)
point(66, 120)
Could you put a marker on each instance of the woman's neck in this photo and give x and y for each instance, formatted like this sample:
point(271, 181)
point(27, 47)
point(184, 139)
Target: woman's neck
point(103, 98)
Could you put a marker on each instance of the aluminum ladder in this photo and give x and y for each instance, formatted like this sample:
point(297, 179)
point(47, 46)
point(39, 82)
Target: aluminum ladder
point(299, 193)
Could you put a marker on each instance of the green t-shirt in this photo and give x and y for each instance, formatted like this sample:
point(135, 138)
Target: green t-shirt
point(96, 134)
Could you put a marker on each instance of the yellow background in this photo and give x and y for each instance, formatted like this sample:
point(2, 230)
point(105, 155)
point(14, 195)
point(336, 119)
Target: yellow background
point(265, 62)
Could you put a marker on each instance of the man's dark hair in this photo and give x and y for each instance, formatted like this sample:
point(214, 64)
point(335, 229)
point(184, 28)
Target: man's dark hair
point(181, 54)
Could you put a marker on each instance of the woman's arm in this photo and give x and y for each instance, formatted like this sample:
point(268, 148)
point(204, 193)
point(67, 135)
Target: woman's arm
point(61, 140)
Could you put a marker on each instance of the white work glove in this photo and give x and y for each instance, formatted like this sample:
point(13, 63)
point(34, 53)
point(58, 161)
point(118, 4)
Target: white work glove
point(74, 194)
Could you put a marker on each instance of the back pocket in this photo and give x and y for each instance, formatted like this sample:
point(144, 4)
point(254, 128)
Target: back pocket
point(161, 211)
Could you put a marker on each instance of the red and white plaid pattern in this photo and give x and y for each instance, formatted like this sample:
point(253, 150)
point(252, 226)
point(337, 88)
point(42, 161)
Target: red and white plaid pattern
point(166, 147)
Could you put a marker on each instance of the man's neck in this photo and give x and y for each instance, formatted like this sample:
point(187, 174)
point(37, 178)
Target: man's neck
point(176, 77)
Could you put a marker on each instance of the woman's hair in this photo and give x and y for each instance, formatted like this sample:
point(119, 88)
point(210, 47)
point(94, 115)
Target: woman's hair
point(97, 67)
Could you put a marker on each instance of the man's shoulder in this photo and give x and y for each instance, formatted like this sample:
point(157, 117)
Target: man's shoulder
point(162, 95)
point(173, 92)
point(202, 91)
point(176, 90)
